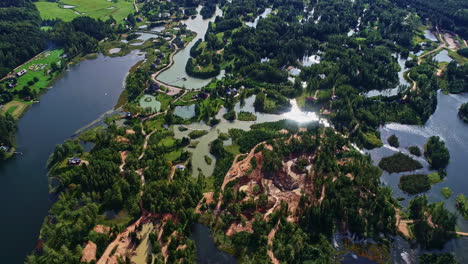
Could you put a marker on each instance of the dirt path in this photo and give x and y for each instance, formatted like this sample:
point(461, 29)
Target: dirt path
point(430, 52)
point(122, 242)
point(270, 252)
point(414, 87)
point(145, 145)
point(123, 157)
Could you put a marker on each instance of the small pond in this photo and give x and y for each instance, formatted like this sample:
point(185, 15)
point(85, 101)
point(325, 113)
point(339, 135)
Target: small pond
point(150, 101)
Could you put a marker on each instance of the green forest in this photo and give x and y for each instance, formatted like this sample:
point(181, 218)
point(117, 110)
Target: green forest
point(278, 191)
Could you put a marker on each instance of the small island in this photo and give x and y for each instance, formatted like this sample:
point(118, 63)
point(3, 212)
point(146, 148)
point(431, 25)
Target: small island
point(415, 183)
point(463, 112)
point(399, 162)
point(436, 153)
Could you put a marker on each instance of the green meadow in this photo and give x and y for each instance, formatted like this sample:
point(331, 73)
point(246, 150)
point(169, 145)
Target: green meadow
point(101, 9)
point(38, 68)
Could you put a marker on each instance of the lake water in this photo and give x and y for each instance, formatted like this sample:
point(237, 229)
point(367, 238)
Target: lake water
point(429, 35)
point(86, 91)
point(446, 124)
point(176, 74)
point(257, 19)
point(443, 56)
point(185, 111)
point(207, 252)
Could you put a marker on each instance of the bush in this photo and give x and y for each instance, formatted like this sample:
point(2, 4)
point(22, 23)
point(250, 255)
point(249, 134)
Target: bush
point(415, 151)
point(393, 141)
point(436, 153)
point(246, 116)
point(446, 192)
point(415, 183)
point(399, 162)
point(231, 115)
point(197, 133)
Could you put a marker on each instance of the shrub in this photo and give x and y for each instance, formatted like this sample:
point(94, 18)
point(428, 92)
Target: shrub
point(197, 133)
point(393, 141)
point(446, 192)
point(415, 151)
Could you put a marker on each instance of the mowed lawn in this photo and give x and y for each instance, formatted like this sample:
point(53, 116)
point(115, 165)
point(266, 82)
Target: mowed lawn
point(102, 9)
point(38, 68)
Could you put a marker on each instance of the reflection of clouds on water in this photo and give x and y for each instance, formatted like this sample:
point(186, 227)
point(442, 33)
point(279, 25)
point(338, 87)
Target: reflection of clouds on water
point(296, 114)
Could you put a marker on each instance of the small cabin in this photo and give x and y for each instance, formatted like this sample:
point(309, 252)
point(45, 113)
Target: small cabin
point(21, 73)
point(180, 167)
point(74, 161)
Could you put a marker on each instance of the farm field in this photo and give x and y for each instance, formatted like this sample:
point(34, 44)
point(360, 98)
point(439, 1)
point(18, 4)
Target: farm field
point(38, 68)
point(101, 9)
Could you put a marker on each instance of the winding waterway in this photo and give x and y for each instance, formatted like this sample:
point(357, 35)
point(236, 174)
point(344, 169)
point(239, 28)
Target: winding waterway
point(85, 92)
point(176, 74)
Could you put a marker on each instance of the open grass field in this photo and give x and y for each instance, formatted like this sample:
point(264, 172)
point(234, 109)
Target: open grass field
point(38, 68)
point(101, 9)
point(15, 108)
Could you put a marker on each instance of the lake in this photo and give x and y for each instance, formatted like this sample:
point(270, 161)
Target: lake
point(445, 124)
point(85, 92)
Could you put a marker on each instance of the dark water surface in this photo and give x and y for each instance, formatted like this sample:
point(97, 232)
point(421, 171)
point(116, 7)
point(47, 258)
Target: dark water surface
point(84, 93)
point(207, 252)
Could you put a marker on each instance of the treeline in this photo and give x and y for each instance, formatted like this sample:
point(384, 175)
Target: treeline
point(7, 132)
point(433, 224)
point(456, 77)
point(21, 37)
point(451, 15)
point(81, 35)
point(208, 11)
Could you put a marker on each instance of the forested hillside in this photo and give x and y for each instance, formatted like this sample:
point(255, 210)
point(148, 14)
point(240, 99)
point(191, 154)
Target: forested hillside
point(20, 35)
point(450, 15)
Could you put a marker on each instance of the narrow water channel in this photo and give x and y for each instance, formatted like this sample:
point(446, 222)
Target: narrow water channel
point(86, 91)
point(176, 74)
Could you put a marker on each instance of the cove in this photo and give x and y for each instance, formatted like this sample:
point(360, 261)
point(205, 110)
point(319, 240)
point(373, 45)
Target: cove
point(446, 124)
point(84, 92)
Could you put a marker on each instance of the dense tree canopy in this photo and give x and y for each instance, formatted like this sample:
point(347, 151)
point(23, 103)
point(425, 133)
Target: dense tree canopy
point(21, 37)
